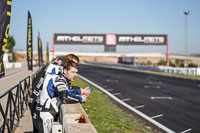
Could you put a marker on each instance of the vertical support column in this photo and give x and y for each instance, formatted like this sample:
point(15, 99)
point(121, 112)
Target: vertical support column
point(53, 47)
point(167, 52)
point(186, 38)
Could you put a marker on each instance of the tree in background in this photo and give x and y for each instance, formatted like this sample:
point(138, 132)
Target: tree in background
point(177, 63)
point(162, 62)
point(10, 44)
point(192, 65)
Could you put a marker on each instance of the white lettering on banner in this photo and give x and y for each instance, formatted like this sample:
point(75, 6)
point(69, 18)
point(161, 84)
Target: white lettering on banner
point(84, 39)
point(138, 39)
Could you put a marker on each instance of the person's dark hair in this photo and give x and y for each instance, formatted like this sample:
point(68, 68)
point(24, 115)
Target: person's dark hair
point(70, 64)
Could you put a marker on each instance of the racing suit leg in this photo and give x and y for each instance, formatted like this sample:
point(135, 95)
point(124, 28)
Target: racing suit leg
point(47, 120)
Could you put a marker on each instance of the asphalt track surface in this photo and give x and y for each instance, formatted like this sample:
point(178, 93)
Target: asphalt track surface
point(173, 102)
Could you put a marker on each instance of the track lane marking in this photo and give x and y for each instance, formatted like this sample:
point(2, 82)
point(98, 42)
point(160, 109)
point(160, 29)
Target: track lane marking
point(157, 116)
point(186, 130)
point(140, 106)
point(153, 83)
point(148, 86)
point(115, 94)
point(161, 98)
point(166, 129)
point(126, 99)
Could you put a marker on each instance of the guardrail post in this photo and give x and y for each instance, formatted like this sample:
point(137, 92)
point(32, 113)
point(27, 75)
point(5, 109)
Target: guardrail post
point(11, 113)
point(5, 120)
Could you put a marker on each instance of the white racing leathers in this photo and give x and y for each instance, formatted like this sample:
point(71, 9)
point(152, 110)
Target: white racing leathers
point(55, 89)
point(52, 69)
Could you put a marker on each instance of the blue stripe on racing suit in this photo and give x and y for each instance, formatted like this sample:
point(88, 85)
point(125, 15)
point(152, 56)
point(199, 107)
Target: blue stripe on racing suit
point(50, 88)
point(75, 93)
point(53, 71)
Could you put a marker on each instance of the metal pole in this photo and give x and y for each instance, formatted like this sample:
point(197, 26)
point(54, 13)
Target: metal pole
point(53, 48)
point(186, 38)
point(167, 53)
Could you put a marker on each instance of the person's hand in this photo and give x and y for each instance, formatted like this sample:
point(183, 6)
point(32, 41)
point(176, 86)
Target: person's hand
point(86, 91)
point(84, 98)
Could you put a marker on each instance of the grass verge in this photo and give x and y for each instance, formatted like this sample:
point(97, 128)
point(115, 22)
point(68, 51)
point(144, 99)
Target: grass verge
point(107, 117)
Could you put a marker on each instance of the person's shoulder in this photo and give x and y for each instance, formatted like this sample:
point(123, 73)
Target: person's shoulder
point(55, 77)
point(52, 64)
point(59, 78)
point(59, 75)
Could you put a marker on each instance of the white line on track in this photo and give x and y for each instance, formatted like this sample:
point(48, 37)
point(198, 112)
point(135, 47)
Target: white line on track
point(126, 99)
point(112, 80)
point(137, 107)
point(115, 94)
point(186, 130)
point(161, 126)
point(161, 98)
point(109, 89)
point(155, 83)
point(156, 116)
point(104, 86)
point(148, 86)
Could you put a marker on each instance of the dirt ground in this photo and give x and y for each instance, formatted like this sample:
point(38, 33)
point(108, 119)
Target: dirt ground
point(99, 59)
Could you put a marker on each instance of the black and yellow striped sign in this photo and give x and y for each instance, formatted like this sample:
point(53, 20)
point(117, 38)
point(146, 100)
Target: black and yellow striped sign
point(29, 43)
point(40, 52)
point(5, 14)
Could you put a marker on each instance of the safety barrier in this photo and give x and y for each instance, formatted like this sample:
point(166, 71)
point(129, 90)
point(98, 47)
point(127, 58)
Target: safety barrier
point(186, 71)
point(75, 120)
point(15, 106)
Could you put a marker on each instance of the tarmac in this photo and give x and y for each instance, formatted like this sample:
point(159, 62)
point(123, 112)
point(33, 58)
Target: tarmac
point(25, 124)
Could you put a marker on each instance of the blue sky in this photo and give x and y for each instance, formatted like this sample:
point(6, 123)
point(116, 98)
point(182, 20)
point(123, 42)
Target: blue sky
point(108, 16)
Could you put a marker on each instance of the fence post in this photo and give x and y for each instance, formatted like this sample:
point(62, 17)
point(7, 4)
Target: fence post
point(5, 120)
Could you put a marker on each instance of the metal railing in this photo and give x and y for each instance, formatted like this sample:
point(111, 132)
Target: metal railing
point(14, 103)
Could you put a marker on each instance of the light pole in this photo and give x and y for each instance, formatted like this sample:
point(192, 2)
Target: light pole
point(186, 38)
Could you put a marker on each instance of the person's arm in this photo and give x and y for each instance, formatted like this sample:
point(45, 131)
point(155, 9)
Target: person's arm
point(77, 93)
point(66, 95)
point(77, 90)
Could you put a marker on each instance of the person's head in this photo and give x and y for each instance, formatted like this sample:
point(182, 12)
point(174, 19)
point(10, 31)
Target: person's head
point(72, 57)
point(57, 60)
point(70, 70)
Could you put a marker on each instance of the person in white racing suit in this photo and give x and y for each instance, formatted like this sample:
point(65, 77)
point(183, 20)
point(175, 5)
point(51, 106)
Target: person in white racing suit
point(54, 68)
point(55, 91)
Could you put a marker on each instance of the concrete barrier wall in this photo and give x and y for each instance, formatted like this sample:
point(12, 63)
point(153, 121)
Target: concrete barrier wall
point(186, 71)
point(70, 117)
point(16, 64)
point(13, 65)
point(181, 70)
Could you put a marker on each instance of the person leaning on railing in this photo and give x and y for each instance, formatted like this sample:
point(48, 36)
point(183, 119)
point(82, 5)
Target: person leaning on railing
point(55, 91)
point(54, 67)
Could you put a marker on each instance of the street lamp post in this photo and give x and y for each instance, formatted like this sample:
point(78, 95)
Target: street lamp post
point(186, 38)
